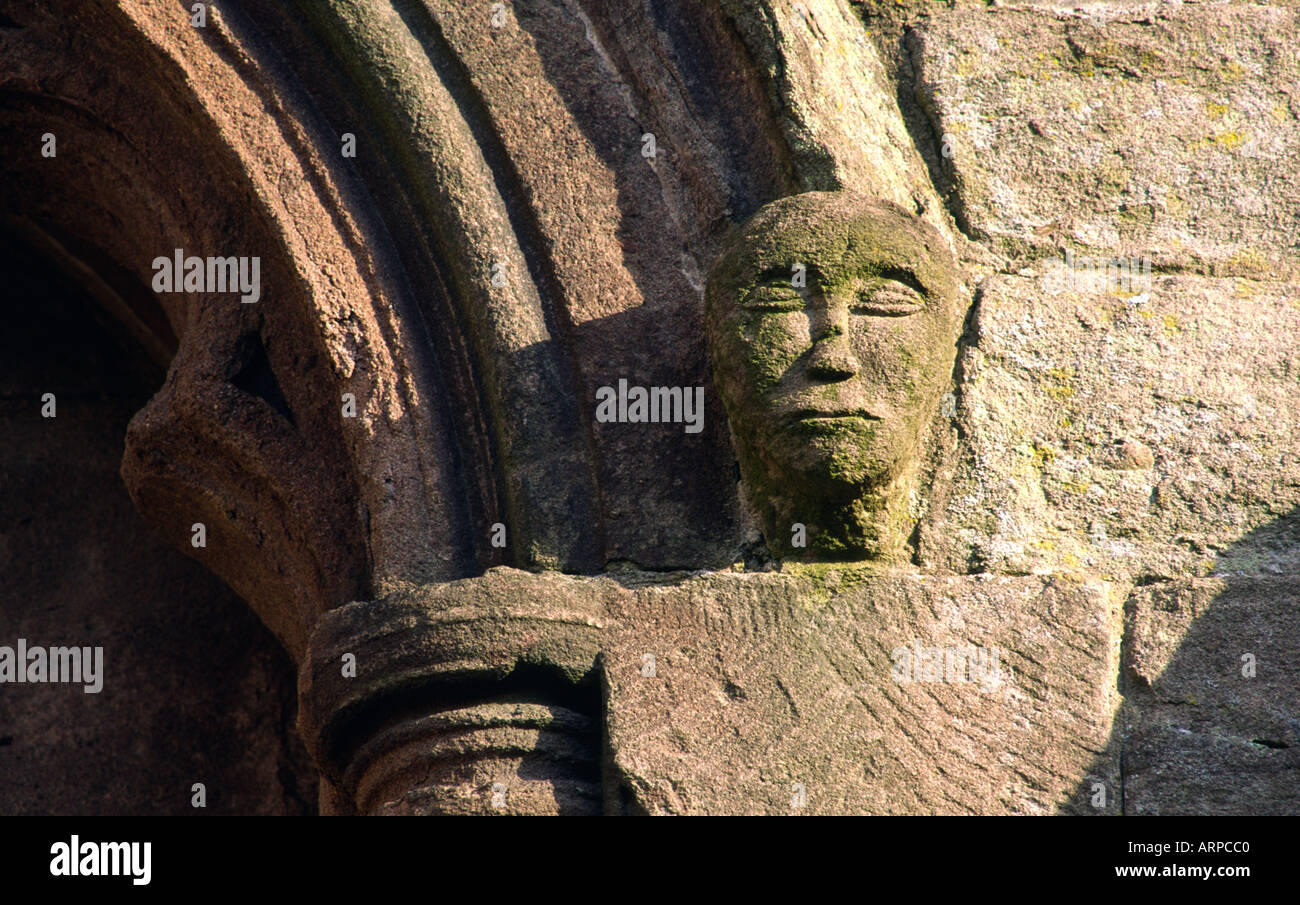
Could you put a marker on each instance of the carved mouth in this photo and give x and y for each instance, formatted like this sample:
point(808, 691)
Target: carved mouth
point(837, 415)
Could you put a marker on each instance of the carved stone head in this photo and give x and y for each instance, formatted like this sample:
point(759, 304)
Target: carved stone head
point(832, 324)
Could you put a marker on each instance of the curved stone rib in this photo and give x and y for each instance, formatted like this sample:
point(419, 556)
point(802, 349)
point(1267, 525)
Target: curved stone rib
point(409, 84)
point(149, 100)
point(841, 121)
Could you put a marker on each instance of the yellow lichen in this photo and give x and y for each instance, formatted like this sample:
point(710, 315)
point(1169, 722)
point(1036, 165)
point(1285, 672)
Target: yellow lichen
point(1232, 72)
point(1043, 455)
point(1248, 259)
point(1229, 140)
point(1060, 385)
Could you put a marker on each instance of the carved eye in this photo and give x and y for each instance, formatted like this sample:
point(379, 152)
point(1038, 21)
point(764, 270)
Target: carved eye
point(773, 295)
point(888, 298)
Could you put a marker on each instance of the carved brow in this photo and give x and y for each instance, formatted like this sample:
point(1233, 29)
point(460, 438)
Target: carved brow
point(904, 276)
point(779, 272)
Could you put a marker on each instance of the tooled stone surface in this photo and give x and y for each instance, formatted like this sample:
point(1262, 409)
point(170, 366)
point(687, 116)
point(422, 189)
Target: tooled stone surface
point(776, 694)
point(721, 692)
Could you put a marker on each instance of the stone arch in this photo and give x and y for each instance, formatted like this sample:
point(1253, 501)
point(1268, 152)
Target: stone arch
point(521, 152)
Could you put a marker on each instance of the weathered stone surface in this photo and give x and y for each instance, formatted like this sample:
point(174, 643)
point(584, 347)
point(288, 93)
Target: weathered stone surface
point(826, 80)
point(1160, 130)
point(1126, 436)
point(763, 681)
point(1213, 697)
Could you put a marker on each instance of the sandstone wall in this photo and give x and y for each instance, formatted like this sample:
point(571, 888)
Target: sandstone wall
point(1135, 438)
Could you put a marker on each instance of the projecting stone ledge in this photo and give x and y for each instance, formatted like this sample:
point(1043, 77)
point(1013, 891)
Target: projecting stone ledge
point(826, 690)
point(843, 692)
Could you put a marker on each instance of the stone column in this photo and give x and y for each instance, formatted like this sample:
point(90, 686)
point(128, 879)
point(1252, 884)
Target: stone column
point(475, 697)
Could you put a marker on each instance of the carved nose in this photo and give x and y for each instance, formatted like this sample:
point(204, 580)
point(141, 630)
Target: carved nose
point(832, 359)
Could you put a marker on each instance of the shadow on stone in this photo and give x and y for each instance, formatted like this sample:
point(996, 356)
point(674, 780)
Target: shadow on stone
point(1210, 674)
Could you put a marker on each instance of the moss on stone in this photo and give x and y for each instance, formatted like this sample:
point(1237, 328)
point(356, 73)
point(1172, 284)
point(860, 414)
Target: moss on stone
point(865, 347)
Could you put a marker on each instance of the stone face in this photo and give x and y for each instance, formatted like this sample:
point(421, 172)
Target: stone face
point(832, 324)
point(536, 200)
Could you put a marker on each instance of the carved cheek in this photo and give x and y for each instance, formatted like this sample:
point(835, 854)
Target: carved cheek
point(773, 343)
point(895, 355)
